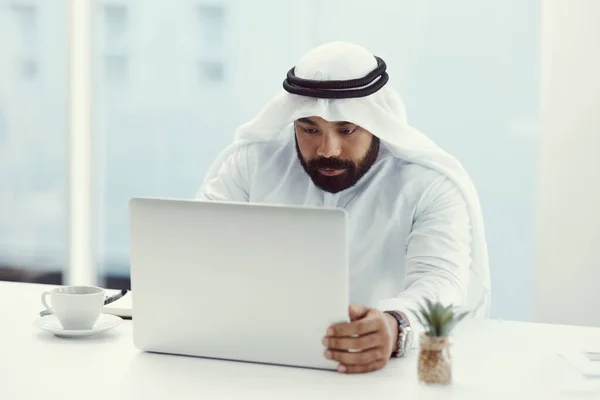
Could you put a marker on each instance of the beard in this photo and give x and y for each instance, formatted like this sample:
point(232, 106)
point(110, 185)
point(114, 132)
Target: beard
point(353, 171)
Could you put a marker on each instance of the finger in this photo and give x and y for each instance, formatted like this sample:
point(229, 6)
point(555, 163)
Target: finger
point(356, 358)
point(357, 311)
point(355, 343)
point(357, 369)
point(360, 327)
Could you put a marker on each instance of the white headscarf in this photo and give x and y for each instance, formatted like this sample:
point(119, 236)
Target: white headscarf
point(383, 114)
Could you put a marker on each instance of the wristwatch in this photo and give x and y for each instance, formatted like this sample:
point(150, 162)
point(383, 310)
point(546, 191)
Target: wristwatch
point(405, 334)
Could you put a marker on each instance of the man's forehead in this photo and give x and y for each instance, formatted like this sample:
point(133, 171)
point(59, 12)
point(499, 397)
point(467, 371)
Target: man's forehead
point(321, 121)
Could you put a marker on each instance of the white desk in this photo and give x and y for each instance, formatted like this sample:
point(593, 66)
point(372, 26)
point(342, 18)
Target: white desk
point(492, 359)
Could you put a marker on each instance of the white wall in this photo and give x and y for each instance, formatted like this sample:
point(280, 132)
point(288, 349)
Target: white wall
point(567, 273)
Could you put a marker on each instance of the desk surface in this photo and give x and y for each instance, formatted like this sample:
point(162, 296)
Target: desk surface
point(492, 359)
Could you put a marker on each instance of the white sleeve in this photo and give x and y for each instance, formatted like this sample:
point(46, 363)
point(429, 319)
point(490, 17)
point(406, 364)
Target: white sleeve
point(438, 254)
point(231, 182)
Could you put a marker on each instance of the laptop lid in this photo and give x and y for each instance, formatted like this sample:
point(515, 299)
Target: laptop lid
point(239, 281)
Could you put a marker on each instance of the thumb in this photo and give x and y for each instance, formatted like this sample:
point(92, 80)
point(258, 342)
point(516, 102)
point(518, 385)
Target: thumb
point(357, 311)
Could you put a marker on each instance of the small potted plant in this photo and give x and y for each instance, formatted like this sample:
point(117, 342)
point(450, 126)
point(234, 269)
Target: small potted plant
point(435, 360)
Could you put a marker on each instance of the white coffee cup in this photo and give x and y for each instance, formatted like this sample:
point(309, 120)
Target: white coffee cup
point(76, 307)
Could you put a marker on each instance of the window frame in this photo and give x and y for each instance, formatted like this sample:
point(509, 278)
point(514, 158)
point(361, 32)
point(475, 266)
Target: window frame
point(80, 268)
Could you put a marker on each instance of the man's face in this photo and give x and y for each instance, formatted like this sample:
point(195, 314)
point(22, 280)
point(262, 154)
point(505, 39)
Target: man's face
point(334, 154)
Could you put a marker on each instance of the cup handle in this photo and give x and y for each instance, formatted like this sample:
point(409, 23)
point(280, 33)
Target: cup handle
point(45, 303)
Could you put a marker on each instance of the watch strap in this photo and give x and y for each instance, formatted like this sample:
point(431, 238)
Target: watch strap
point(402, 325)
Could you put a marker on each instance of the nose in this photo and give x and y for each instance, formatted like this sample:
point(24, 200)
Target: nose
point(329, 147)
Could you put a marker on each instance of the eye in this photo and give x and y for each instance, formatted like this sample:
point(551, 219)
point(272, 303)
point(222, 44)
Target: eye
point(310, 131)
point(347, 131)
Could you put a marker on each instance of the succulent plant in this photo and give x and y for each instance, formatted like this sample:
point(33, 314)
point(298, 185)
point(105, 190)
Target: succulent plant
point(438, 320)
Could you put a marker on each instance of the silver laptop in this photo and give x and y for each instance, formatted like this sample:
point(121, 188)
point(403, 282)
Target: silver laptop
point(237, 281)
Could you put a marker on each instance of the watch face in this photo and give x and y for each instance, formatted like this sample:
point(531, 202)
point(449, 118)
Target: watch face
point(409, 340)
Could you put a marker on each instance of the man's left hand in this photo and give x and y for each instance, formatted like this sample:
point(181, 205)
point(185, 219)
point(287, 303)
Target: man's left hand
point(365, 344)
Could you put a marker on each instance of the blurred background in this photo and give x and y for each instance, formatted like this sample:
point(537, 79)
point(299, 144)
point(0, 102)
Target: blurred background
point(171, 80)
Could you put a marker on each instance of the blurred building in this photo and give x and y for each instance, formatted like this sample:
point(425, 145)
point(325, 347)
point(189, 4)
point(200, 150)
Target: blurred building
point(173, 79)
point(172, 82)
point(33, 133)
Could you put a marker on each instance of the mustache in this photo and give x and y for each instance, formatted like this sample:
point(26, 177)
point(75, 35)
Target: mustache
point(330, 163)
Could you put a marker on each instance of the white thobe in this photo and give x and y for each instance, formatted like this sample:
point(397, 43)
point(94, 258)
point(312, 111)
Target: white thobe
point(409, 226)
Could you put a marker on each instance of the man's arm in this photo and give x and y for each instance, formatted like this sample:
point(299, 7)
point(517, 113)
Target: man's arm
point(437, 267)
point(438, 253)
point(231, 182)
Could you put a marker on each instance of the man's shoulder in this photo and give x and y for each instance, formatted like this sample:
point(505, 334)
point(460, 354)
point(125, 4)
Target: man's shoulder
point(419, 178)
point(255, 153)
point(430, 189)
point(420, 185)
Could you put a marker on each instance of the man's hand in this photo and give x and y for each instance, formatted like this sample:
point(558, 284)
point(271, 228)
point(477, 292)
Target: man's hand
point(365, 344)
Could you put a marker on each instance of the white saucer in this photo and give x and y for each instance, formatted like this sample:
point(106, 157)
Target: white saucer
point(49, 323)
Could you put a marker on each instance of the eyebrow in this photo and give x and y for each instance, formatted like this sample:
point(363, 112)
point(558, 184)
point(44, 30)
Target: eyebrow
point(313, 123)
point(307, 121)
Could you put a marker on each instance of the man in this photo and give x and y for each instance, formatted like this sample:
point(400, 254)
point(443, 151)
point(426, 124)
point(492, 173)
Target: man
point(337, 136)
